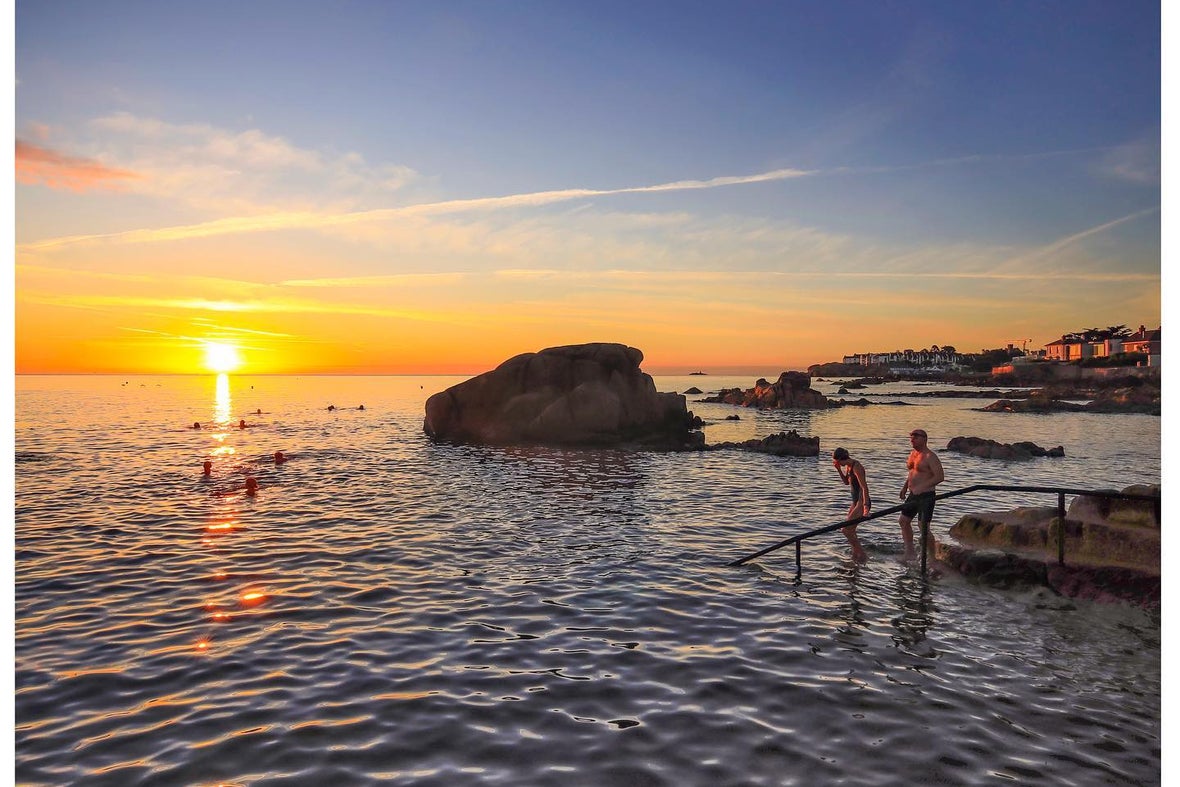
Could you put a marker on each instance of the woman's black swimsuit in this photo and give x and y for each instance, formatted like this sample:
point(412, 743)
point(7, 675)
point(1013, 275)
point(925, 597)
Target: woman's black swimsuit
point(855, 484)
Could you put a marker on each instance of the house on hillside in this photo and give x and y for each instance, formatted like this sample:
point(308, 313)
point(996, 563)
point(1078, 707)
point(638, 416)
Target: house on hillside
point(1068, 349)
point(934, 359)
point(1073, 347)
point(1146, 342)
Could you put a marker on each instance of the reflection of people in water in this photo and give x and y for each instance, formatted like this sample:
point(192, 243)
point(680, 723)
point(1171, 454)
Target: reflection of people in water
point(208, 467)
point(852, 473)
point(916, 614)
point(279, 458)
point(251, 487)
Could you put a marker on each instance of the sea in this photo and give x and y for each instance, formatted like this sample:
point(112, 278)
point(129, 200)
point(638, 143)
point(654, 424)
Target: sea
point(388, 610)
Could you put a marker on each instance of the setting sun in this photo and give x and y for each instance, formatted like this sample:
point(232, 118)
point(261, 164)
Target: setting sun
point(221, 358)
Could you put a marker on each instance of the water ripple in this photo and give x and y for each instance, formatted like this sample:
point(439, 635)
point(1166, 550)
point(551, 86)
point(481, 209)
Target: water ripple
point(386, 610)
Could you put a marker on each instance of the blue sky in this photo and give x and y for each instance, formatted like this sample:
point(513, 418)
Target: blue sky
point(771, 165)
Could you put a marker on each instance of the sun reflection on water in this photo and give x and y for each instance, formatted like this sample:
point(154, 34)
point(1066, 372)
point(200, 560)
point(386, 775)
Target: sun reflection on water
point(221, 400)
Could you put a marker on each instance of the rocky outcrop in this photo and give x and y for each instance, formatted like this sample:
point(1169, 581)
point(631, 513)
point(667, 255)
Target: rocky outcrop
point(1136, 399)
point(990, 449)
point(1141, 398)
point(1037, 402)
point(782, 444)
point(863, 402)
point(577, 395)
point(1112, 547)
point(792, 390)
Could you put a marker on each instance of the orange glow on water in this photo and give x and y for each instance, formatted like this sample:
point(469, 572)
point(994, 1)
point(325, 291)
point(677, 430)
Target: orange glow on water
point(252, 598)
point(222, 402)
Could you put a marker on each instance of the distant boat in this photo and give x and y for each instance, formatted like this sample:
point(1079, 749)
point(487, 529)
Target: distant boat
point(693, 373)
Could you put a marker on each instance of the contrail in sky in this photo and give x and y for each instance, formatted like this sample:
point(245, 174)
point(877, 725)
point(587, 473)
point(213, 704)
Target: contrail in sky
point(278, 221)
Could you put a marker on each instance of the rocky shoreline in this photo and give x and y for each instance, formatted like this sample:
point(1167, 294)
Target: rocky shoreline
point(1112, 547)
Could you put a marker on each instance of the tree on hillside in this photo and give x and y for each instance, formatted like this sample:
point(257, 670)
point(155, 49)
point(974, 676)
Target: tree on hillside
point(1098, 334)
point(986, 359)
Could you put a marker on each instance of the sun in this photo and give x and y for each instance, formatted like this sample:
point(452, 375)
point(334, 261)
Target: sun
point(221, 357)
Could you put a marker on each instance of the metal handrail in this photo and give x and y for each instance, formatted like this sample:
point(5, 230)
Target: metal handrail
point(1061, 492)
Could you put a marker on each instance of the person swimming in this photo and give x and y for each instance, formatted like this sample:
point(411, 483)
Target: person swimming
point(208, 467)
point(251, 487)
point(242, 424)
point(362, 407)
point(196, 424)
point(279, 458)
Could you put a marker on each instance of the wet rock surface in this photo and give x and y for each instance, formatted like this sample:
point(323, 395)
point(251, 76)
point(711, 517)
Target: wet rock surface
point(792, 390)
point(990, 449)
point(1112, 547)
point(782, 444)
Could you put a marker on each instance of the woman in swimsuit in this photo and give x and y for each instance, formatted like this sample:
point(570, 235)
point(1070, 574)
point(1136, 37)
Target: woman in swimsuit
point(852, 473)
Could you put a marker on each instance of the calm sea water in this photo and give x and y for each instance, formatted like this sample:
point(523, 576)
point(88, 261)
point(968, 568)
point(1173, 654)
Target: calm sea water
point(387, 610)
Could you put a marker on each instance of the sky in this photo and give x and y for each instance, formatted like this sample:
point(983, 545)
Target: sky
point(282, 186)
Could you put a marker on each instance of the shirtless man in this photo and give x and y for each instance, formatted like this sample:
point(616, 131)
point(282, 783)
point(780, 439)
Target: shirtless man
point(925, 473)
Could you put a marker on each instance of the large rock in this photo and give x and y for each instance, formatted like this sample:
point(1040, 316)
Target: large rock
point(578, 395)
point(1035, 403)
point(782, 444)
point(792, 390)
point(990, 449)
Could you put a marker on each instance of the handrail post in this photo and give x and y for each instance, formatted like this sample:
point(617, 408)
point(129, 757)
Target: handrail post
point(1061, 528)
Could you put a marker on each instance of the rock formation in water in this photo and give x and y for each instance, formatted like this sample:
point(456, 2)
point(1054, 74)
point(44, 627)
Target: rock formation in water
point(577, 395)
point(1112, 547)
point(990, 449)
point(1143, 397)
point(782, 444)
point(792, 390)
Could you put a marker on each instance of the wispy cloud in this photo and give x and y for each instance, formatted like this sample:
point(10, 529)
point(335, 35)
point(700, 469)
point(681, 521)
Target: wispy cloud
point(36, 165)
point(730, 277)
point(1052, 249)
point(246, 172)
point(400, 280)
point(312, 220)
point(1136, 162)
point(271, 306)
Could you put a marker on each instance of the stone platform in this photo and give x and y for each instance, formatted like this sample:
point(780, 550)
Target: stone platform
point(1112, 548)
